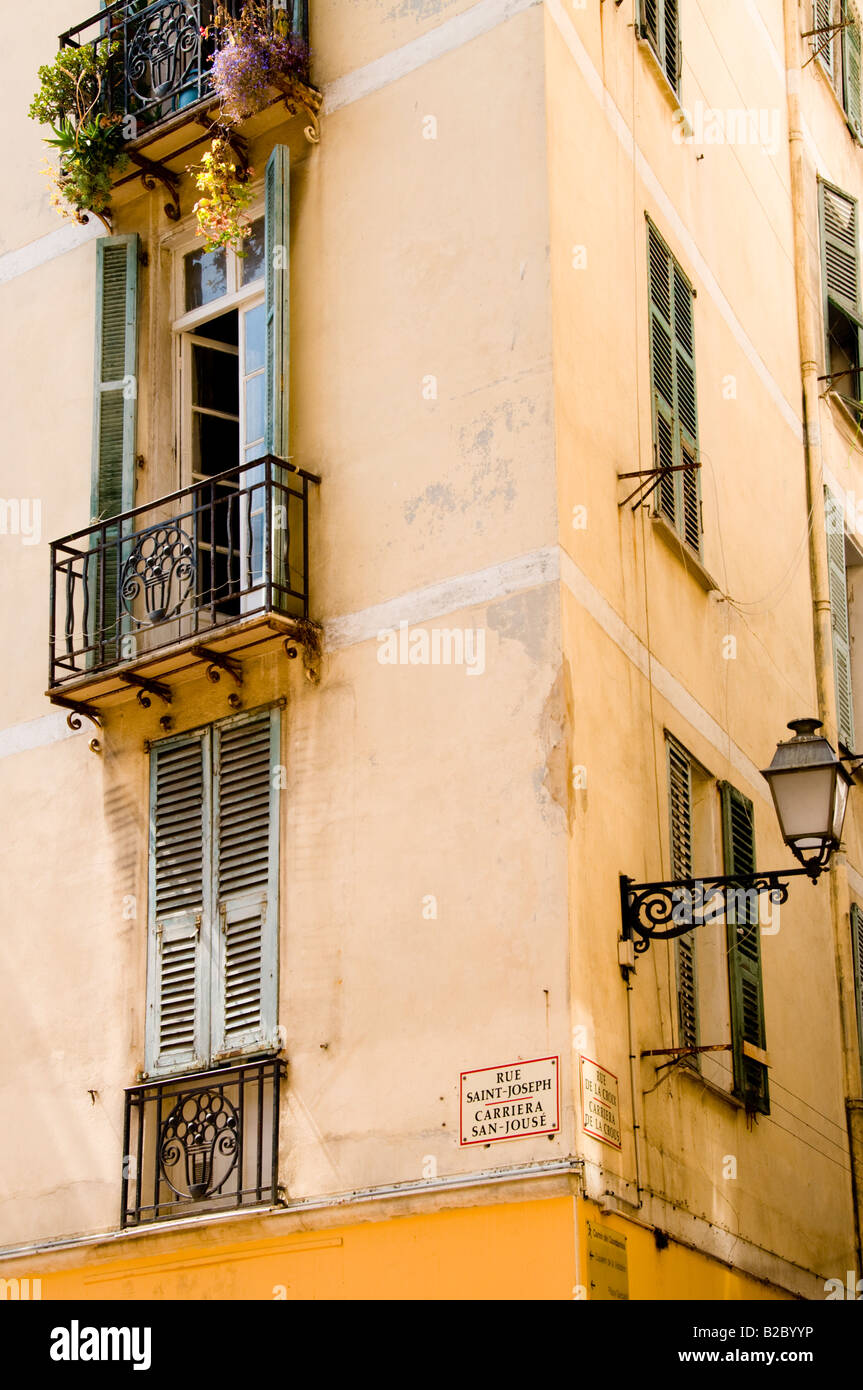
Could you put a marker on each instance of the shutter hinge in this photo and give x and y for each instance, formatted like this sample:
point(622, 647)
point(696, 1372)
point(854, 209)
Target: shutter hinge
point(197, 926)
point(223, 913)
point(159, 933)
point(144, 258)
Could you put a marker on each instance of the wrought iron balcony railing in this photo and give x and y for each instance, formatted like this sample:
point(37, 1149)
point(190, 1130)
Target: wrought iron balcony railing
point(161, 66)
point(202, 559)
point(202, 1143)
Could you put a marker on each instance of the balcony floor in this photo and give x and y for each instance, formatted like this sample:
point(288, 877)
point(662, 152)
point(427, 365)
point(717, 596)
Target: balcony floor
point(256, 635)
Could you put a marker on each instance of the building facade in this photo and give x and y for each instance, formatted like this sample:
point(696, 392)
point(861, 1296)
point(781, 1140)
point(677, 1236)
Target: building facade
point(462, 546)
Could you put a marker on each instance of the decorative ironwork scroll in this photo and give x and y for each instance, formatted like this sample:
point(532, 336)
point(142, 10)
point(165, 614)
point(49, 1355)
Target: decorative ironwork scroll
point(663, 911)
point(199, 1143)
point(162, 567)
point(161, 50)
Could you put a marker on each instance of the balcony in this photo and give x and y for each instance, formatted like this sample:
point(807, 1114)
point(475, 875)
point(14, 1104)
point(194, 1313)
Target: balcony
point(202, 1143)
point(196, 577)
point(160, 78)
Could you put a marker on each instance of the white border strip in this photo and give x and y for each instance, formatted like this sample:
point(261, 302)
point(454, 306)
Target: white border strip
point(451, 34)
point(47, 248)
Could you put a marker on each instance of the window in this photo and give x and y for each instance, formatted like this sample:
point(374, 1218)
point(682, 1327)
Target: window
point(840, 273)
point(837, 43)
point(213, 895)
point(743, 931)
point(838, 551)
point(672, 377)
point(659, 24)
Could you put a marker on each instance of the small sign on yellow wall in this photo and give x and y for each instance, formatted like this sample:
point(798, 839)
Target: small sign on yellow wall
point(607, 1264)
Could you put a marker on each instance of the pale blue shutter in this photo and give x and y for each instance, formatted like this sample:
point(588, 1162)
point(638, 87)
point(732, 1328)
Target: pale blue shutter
point(743, 935)
point(851, 70)
point(278, 290)
point(839, 618)
point(178, 976)
point(245, 977)
point(114, 425)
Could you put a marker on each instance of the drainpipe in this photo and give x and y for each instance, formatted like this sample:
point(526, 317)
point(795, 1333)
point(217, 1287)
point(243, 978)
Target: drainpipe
point(810, 336)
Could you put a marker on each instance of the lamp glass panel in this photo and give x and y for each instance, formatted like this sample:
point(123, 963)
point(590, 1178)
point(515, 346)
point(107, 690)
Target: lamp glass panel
point(804, 804)
point(840, 801)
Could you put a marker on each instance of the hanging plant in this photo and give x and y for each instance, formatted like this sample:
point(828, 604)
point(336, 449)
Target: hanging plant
point(90, 144)
point(252, 55)
point(227, 194)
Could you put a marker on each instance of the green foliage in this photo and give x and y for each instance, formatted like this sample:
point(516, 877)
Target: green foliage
point(226, 198)
point(89, 144)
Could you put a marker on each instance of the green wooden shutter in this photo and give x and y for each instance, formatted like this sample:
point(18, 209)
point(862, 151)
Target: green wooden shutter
point(246, 884)
point(839, 243)
point(278, 291)
point(659, 23)
point(822, 44)
point(672, 375)
point(680, 810)
point(672, 51)
point(839, 618)
point(744, 955)
point(857, 946)
point(115, 414)
point(179, 948)
point(851, 70)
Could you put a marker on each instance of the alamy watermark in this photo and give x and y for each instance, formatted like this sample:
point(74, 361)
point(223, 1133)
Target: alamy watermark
point(435, 646)
point(704, 903)
point(21, 516)
point(734, 125)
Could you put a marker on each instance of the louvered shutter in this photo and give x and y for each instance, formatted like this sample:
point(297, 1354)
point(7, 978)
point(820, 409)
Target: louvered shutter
point(246, 753)
point(115, 413)
point(839, 618)
point(823, 44)
point(851, 70)
point(839, 240)
point(672, 52)
point(744, 955)
point(672, 374)
point(680, 806)
point(660, 25)
point(857, 946)
point(178, 1003)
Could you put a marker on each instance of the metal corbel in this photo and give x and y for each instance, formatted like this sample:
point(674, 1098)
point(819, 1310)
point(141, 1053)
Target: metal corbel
point(146, 688)
point(218, 662)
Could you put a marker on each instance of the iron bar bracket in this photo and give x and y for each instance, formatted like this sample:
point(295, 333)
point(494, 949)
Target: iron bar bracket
point(146, 688)
point(218, 662)
point(77, 711)
point(651, 478)
point(152, 172)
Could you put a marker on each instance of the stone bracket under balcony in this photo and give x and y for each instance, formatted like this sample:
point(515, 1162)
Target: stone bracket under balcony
point(192, 583)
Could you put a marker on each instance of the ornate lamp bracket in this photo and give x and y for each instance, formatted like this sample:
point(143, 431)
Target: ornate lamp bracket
point(665, 910)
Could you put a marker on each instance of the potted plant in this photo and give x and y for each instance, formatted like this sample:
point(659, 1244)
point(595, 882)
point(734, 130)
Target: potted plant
point(90, 143)
point(253, 54)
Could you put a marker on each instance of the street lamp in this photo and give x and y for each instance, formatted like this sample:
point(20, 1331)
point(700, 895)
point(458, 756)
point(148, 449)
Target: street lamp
point(810, 793)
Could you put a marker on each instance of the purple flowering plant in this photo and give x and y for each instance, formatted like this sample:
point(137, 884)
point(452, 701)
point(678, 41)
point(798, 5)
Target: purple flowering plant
point(254, 52)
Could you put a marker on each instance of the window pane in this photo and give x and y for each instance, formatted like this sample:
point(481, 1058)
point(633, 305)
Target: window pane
point(256, 338)
point(215, 445)
point(252, 264)
point(255, 414)
point(206, 277)
point(215, 383)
